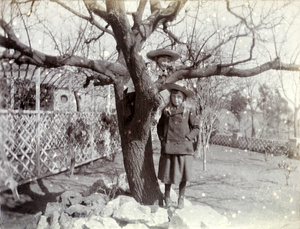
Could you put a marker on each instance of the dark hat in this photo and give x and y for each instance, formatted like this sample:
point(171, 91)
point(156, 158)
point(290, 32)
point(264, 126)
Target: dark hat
point(163, 52)
point(179, 87)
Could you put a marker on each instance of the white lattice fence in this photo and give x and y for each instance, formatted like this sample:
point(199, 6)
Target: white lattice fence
point(36, 149)
point(18, 137)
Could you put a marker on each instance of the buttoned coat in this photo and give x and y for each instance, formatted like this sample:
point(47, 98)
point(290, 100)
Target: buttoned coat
point(177, 128)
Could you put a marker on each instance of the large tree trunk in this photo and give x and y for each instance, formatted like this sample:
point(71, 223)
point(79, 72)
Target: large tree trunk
point(137, 151)
point(139, 166)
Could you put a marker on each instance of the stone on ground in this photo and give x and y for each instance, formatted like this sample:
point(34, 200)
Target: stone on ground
point(43, 224)
point(197, 216)
point(77, 210)
point(53, 207)
point(114, 204)
point(135, 226)
point(106, 222)
point(70, 198)
point(123, 183)
point(95, 199)
point(54, 223)
point(159, 219)
point(132, 212)
point(95, 222)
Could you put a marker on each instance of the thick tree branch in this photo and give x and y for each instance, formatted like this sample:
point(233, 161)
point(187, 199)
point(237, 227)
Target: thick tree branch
point(97, 9)
point(213, 70)
point(155, 6)
point(138, 15)
point(162, 16)
point(25, 54)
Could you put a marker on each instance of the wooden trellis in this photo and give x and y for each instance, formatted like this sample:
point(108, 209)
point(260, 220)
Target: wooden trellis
point(22, 131)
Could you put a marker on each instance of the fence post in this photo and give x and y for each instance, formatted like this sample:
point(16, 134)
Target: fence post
point(12, 93)
point(38, 117)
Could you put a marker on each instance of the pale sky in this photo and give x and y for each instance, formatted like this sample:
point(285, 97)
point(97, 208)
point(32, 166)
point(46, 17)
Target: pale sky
point(212, 16)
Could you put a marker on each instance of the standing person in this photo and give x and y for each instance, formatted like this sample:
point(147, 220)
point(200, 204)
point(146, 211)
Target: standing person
point(176, 129)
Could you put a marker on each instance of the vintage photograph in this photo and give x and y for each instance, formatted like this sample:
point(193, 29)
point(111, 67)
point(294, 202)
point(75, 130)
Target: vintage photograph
point(149, 114)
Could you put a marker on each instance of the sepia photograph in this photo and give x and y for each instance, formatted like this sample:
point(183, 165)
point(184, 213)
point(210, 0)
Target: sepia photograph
point(149, 114)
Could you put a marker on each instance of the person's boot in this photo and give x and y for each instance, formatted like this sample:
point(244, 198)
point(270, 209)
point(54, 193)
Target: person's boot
point(180, 202)
point(168, 201)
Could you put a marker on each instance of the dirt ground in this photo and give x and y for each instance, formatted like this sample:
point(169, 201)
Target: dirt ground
point(249, 191)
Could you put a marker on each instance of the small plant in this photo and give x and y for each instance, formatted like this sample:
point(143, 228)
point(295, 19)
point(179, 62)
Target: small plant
point(113, 191)
point(109, 139)
point(77, 132)
point(275, 150)
point(288, 168)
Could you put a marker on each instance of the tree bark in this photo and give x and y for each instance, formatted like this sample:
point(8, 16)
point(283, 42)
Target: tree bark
point(137, 150)
point(139, 166)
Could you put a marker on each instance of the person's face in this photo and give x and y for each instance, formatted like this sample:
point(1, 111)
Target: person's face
point(177, 97)
point(163, 61)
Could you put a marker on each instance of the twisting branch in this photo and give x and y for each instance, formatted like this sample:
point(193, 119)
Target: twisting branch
point(26, 29)
point(162, 16)
point(245, 60)
point(138, 15)
point(155, 6)
point(212, 70)
point(172, 35)
point(91, 19)
point(94, 38)
point(25, 54)
point(238, 16)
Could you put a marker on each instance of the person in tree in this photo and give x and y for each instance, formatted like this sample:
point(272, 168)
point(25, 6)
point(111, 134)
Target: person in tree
point(163, 59)
point(177, 128)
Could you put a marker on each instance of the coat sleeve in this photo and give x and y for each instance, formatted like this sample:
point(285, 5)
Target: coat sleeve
point(160, 127)
point(194, 123)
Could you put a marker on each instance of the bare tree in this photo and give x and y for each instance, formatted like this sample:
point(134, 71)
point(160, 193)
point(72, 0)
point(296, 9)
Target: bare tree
point(291, 94)
point(210, 99)
point(129, 30)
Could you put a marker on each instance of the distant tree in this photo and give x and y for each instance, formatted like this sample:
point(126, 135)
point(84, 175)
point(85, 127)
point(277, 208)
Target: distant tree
point(250, 92)
point(273, 107)
point(238, 104)
point(291, 93)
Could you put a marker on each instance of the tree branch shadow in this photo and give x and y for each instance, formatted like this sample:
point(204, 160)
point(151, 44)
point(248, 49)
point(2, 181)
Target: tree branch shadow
point(36, 203)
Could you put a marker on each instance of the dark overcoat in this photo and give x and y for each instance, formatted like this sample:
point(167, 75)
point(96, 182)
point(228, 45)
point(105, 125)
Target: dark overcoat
point(177, 128)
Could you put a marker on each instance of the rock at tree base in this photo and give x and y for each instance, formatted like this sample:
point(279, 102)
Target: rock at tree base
point(43, 224)
point(54, 220)
point(95, 199)
point(123, 183)
point(77, 210)
point(197, 217)
point(159, 219)
point(95, 222)
point(34, 222)
point(53, 207)
point(135, 226)
point(69, 198)
point(132, 212)
point(114, 204)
